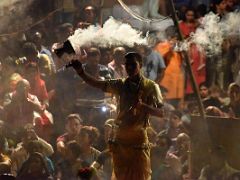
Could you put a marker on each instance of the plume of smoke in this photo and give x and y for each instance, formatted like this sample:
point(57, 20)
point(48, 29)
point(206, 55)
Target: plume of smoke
point(213, 30)
point(14, 15)
point(113, 33)
point(231, 24)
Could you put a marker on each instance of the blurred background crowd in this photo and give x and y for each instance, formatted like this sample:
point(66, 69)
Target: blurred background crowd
point(52, 123)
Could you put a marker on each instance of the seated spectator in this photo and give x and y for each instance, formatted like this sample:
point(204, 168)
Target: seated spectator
point(117, 64)
point(31, 54)
point(165, 165)
point(36, 146)
point(68, 167)
point(38, 40)
point(38, 87)
point(86, 138)
point(93, 68)
point(20, 105)
point(73, 126)
point(182, 151)
point(218, 168)
point(92, 65)
point(174, 124)
point(20, 153)
point(233, 108)
point(12, 82)
point(219, 7)
point(34, 168)
point(7, 69)
point(203, 90)
point(104, 159)
point(214, 98)
point(106, 56)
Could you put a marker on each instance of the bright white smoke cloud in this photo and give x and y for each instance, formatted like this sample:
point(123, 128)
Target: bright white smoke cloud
point(213, 30)
point(113, 33)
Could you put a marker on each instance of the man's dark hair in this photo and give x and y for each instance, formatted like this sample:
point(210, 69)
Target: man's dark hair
point(171, 32)
point(203, 84)
point(216, 2)
point(74, 147)
point(186, 11)
point(34, 144)
point(201, 9)
point(63, 27)
point(74, 116)
point(92, 132)
point(29, 48)
point(93, 51)
point(134, 56)
point(163, 135)
point(177, 113)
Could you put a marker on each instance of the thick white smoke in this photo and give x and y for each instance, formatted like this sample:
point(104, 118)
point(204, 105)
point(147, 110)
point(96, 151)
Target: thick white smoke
point(213, 30)
point(113, 33)
point(13, 15)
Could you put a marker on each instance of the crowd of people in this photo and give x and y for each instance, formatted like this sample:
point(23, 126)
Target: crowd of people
point(54, 125)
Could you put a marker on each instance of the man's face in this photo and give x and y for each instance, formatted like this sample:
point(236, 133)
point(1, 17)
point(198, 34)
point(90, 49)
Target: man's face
point(203, 91)
point(22, 90)
point(162, 145)
point(190, 16)
point(174, 121)
point(182, 145)
point(119, 56)
point(73, 126)
point(37, 38)
point(234, 94)
point(32, 56)
point(106, 57)
point(84, 139)
point(230, 3)
point(132, 67)
point(93, 59)
point(222, 6)
point(89, 15)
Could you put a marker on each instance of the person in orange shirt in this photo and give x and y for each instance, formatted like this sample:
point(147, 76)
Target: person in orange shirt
point(173, 79)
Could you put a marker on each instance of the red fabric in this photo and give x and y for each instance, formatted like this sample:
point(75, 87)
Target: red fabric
point(45, 119)
point(200, 75)
point(38, 88)
point(187, 29)
point(196, 56)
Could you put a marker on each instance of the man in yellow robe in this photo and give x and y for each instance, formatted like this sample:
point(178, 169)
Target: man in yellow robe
point(139, 97)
